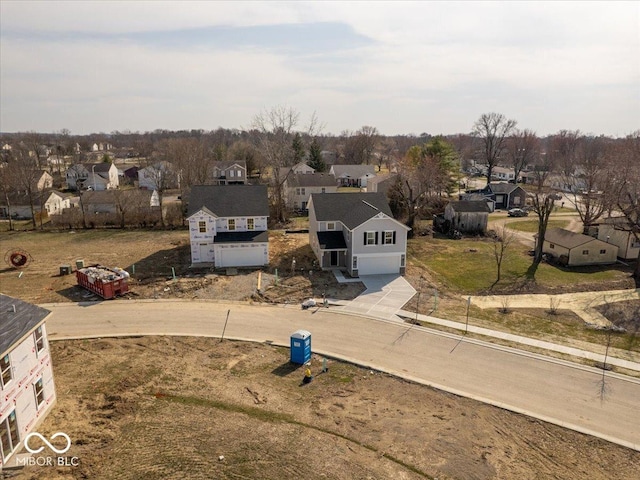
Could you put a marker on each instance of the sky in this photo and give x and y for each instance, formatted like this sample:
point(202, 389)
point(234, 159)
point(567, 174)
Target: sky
point(402, 67)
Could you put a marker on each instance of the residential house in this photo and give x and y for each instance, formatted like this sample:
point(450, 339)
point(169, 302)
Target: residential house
point(27, 388)
point(158, 176)
point(230, 173)
point(468, 216)
point(618, 231)
point(356, 232)
point(94, 176)
point(352, 175)
point(300, 167)
point(299, 187)
point(130, 175)
point(382, 183)
point(474, 197)
point(503, 174)
point(44, 180)
point(575, 249)
point(228, 225)
point(19, 206)
point(505, 195)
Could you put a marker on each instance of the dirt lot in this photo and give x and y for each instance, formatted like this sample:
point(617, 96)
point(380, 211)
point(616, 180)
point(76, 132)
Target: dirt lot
point(171, 407)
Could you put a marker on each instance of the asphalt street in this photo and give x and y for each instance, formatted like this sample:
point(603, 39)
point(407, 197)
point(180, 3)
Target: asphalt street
point(556, 391)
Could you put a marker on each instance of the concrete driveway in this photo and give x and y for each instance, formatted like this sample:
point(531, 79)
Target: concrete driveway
point(384, 296)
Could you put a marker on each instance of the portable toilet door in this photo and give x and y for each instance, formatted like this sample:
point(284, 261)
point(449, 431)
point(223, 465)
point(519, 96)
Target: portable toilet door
point(300, 347)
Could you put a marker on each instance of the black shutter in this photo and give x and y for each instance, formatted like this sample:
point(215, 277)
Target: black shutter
point(376, 238)
point(394, 237)
point(365, 238)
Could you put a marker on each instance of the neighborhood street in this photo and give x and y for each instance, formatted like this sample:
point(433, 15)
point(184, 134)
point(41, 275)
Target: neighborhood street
point(560, 392)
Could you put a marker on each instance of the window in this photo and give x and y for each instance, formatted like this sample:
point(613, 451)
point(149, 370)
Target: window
point(231, 173)
point(603, 251)
point(370, 238)
point(238, 173)
point(402, 259)
point(250, 224)
point(585, 252)
point(231, 224)
point(355, 263)
point(9, 438)
point(5, 367)
point(302, 191)
point(38, 391)
point(331, 225)
point(323, 190)
point(39, 339)
point(202, 227)
point(389, 238)
point(552, 245)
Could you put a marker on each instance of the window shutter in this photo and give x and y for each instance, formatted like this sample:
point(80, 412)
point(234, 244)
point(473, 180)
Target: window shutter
point(365, 238)
point(376, 238)
point(394, 237)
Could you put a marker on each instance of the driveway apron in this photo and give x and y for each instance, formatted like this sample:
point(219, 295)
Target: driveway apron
point(383, 297)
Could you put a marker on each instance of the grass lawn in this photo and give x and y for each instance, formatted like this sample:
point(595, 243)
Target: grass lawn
point(532, 225)
point(468, 266)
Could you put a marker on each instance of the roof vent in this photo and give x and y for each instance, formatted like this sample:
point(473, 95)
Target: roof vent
point(367, 203)
point(13, 308)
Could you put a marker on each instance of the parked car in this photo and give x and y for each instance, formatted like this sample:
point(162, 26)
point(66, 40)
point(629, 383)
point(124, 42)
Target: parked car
point(517, 212)
point(556, 196)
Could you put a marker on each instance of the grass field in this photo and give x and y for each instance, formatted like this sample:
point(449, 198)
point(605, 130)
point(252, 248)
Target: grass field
point(531, 226)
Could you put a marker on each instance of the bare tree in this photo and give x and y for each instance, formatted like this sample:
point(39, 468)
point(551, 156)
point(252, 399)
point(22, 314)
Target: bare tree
point(502, 241)
point(522, 149)
point(276, 129)
point(493, 129)
point(26, 174)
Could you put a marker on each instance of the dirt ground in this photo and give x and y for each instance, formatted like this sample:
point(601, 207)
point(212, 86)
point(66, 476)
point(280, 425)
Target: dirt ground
point(174, 408)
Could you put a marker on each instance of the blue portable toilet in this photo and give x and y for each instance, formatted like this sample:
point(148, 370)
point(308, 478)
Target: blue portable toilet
point(300, 347)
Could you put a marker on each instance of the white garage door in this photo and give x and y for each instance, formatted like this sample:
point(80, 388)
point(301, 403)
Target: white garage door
point(239, 256)
point(378, 265)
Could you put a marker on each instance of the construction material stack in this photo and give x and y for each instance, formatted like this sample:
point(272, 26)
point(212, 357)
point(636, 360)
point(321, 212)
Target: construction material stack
point(103, 281)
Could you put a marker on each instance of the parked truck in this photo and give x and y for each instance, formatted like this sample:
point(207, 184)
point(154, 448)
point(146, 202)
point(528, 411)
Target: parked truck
point(103, 281)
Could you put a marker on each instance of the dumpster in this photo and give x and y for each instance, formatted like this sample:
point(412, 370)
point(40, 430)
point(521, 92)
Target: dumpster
point(300, 347)
point(106, 282)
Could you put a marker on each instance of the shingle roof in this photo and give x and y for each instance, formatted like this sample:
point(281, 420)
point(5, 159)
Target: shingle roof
point(503, 187)
point(480, 206)
point(311, 180)
point(14, 326)
point(567, 239)
point(353, 171)
point(230, 200)
point(352, 209)
point(331, 240)
point(102, 167)
point(244, 237)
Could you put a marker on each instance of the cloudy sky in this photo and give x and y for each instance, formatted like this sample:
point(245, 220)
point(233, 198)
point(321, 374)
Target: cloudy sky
point(403, 67)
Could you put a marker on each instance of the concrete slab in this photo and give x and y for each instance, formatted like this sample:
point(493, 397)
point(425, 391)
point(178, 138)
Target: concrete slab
point(383, 297)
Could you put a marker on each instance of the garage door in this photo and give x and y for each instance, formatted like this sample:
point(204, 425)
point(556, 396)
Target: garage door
point(240, 256)
point(378, 265)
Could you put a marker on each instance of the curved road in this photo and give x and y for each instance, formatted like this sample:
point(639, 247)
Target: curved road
point(556, 391)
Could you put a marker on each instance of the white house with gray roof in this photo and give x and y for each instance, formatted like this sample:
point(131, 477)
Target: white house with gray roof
point(299, 187)
point(228, 225)
point(27, 389)
point(356, 232)
point(352, 175)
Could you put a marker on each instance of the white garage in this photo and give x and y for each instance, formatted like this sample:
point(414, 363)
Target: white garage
point(241, 255)
point(376, 265)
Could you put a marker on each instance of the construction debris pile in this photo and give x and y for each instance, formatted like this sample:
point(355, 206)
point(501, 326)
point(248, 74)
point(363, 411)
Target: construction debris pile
point(106, 282)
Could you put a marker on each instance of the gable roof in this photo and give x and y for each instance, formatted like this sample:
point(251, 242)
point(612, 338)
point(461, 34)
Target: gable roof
point(568, 239)
point(109, 196)
point(14, 326)
point(353, 171)
point(227, 164)
point(352, 209)
point(503, 188)
point(98, 167)
point(230, 200)
point(21, 199)
point(477, 206)
point(311, 180)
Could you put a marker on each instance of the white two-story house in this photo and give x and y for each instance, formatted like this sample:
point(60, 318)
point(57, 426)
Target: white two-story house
point(228, 225)
point(94, 176)
point(356, 232)
point(27, 390)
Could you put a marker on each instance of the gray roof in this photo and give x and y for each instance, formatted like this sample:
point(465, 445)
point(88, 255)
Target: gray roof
point(480, 206)
point(503, 187)
point(15, 326)
point(567, 239)
point(223, 165)
point(352, 209)
point(244, 237)
point(353, 171)
point(102, 167)
point(230, 200)
point(311, 180)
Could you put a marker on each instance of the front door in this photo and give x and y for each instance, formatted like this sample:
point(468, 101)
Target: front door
point(334, 259)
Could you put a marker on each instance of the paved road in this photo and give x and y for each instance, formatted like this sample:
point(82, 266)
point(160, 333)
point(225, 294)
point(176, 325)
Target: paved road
point(551, 390)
